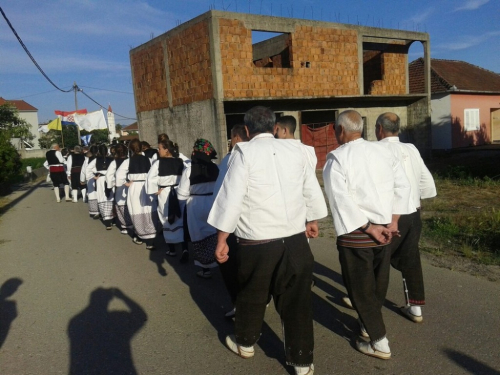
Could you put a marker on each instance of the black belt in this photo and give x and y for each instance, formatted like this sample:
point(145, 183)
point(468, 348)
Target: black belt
point(201, 195)
point(135, 180)
point(166, 186)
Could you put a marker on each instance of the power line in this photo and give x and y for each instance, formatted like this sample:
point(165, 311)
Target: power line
point(40, 93)
point(121, 92)
point(29, 54)
point(125, 117)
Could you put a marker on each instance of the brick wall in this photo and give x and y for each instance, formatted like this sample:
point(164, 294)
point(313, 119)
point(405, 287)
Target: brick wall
point(189, 65)
point(332, 53)
point(150, 85)
point(393, 69)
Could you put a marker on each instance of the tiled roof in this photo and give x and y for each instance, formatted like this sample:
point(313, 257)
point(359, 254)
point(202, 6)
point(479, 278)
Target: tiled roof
point(453, 75)
point(21, 105)
point(131, 127)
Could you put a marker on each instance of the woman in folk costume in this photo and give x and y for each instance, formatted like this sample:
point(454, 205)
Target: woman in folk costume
point(196, 188)
point(87, 177)
point(141, 206)
point(98, 167)
point(74, 169)
point(163, 179)
point(117, 180)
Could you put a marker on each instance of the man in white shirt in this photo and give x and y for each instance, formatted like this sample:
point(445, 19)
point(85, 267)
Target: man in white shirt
point(367, 190)
point(269, 198)
point(405, 254)
point(285, 129)
point(229, 269)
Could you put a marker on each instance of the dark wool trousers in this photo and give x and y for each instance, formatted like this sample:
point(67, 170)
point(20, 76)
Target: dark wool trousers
point(282, 268)
point(366, 278)
point(229, 269)
point(406, 256)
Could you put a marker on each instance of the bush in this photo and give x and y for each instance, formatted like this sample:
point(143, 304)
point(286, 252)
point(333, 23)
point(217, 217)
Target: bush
point(35, 163)
point(11, 165)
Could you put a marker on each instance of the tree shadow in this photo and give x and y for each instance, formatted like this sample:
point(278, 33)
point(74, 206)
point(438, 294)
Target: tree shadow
point(157, 256)
point(8, 308)
point(100, 339)
point(470, 364)
point(27, 190)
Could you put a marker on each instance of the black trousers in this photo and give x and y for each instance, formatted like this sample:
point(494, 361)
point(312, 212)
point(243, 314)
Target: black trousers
point(405, 256)
point(366, 277)
point(282, 268)
point(229, 269)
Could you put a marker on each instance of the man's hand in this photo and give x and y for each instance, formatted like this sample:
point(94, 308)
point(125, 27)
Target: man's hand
point(393, 226)
point(222, 250)
point(379, 233)
point(312, 229)
point(128, 183)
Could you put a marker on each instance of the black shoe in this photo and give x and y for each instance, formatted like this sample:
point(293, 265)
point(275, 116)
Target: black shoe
point(96, 217)
point(185, 256)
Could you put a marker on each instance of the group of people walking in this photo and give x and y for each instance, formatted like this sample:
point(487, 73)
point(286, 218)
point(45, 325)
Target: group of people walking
point(254, 213)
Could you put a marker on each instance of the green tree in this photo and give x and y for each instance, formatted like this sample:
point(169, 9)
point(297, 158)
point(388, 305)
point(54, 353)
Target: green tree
point(98, 136)
point(13, 126)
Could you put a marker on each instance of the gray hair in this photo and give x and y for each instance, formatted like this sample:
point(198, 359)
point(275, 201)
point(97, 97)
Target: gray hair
point(351, 121)
point(53, 146)
point(77, 149)
point(389, 122)
point(260, 120)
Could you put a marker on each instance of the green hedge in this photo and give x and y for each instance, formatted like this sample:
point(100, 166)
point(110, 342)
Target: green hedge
point(34, 162)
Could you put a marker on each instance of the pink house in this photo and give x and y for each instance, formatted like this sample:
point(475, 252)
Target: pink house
point(465, 102)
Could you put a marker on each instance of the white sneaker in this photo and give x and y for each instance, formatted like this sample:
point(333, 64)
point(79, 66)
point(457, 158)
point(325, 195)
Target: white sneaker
point(407, 311)
point(242, 351)
point(124, 231)
point(379, 350)
point(308, 370)
point(362, 330)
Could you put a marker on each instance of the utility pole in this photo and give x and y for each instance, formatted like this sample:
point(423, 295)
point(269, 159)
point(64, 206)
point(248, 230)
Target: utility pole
point(75, 88)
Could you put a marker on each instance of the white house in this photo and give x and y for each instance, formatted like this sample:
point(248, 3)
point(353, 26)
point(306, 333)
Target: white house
point(30, 114)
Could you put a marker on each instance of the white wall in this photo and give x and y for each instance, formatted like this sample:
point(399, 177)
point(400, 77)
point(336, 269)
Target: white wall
point(32, 118)
point(441, 121)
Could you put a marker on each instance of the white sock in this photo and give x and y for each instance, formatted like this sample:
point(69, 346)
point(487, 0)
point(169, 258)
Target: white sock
point(382, 345)
point(56, 192)
point(74, 193)
point(416, 310)
point(66, 192)
point(299, 370)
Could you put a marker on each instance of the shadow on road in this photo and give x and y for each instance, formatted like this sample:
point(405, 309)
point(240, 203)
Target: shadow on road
point(100, 339)
point(470, 364)
point(8, 308)
point(27, 190)
point(212, 298)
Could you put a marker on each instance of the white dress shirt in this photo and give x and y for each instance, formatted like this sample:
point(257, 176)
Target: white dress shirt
point(364, 182)
point(269, 191)
point(421, 180)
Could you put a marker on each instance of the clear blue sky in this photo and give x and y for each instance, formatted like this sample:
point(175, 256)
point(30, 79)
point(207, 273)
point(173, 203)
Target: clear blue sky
point(88, 41)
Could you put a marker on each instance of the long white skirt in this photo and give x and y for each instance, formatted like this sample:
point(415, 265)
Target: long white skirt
point(143, 210)
point(121, 207)
point(104, 203)
point(92, 197)
point(173, 233)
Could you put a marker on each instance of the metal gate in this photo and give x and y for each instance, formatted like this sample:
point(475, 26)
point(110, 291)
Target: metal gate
point(322, 137)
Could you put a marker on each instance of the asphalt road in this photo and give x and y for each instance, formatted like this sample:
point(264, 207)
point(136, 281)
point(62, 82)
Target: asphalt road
point(78, 299)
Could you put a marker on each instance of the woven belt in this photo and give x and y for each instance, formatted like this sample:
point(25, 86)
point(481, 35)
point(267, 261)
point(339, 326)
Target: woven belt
point(245, 242)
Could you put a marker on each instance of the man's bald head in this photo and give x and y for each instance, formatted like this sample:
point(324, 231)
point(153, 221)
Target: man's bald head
point(389, 123)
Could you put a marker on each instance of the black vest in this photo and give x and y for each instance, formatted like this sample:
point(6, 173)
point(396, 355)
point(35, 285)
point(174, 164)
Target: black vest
point(139, 164)
point(170, 166)
point(150, 152)
point(52, 158)
point(77, 160)
point(102, 164)
point(119, 162)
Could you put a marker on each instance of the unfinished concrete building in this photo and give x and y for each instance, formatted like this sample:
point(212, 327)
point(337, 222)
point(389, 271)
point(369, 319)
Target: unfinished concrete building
point(198, 79)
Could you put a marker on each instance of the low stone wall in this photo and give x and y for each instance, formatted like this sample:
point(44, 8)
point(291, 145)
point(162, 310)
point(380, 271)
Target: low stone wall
point(25, 154)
